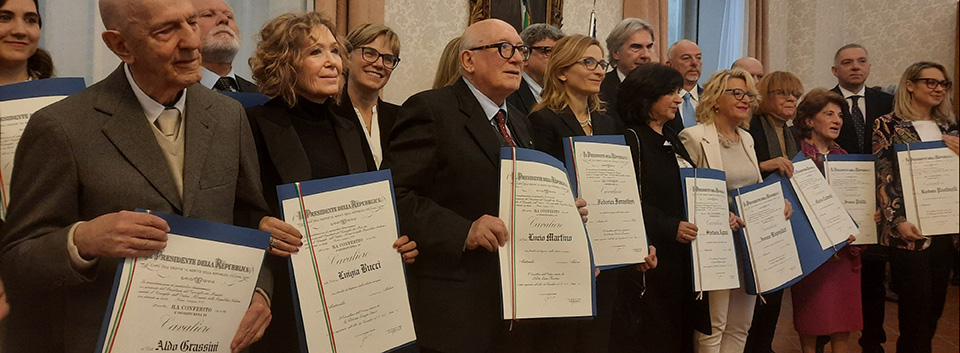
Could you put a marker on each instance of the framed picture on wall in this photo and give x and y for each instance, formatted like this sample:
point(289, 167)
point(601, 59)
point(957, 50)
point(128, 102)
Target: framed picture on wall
point(514, 11)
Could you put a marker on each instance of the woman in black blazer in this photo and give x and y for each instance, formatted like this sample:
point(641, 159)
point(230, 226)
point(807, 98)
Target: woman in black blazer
point(663, 317)
point(298, 64)
point(373, 53)
point(570, 104)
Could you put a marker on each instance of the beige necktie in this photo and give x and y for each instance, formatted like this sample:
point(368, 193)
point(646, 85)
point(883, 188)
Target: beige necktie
point(169, 123)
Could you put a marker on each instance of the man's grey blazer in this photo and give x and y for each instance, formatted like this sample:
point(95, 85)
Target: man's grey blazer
point(95, 153)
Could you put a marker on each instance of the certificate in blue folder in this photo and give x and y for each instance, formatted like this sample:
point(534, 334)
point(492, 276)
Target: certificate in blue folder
point(713, 252)
point(602, 172)
point(931, 189)
point(18, 102)
point(348, 283)
point(190, 296)
point(546, 266)
point(811, 255)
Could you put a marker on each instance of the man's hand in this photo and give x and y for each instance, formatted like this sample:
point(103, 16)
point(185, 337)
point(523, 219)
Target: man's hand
point(254, 322)
point(582, 208)
point(780, 164)
point(908, 231)
point(488, 232)
point(686, 232)
point(953, 143)
point(284, 238)
point(649, 262)
point(407, 249)
point(121, 234)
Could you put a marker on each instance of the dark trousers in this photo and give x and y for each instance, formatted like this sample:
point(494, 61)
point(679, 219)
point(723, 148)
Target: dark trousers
point(764, 326)
point(873, 297)
point(920, 279)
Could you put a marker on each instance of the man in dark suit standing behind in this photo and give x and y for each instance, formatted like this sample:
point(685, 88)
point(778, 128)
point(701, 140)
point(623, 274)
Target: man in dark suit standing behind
point(851, 67)
point(220, 42)
point(540, 38)
point(684, 55)
point(444, 154)
point(630, 43)
point(147, 136)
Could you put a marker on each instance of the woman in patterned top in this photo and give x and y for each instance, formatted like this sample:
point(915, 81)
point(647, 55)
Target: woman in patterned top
point(919, 266)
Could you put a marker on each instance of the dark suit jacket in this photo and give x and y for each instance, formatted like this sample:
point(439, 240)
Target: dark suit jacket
point(677, 122)
point(549, 129)
point(760, 144)
point(283, 160)
point(247, 86)
point(386, 115)
point(444, 154)
point(878, 104)
point(95, 153)
point(608, 94)
point(523, 98)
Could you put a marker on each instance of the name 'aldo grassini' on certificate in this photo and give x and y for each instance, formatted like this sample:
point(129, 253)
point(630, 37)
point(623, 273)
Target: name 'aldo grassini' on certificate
point(348, 281)
point(189, 297)
point(546, 268)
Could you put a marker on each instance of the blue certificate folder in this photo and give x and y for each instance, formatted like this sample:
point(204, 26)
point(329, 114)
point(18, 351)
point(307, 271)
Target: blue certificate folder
point(808, 247)
point(919, 145)
point(289, 191)
point(248, 99)
point(194, 228)
point(60, 86)
point(530, 155)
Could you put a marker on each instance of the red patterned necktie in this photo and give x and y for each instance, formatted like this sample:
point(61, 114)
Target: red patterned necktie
point(502, 125)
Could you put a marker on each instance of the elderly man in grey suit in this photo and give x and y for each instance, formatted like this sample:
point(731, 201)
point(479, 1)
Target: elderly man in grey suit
point(147, 136)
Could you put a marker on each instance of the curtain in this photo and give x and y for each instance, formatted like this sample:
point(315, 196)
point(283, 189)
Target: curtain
point(758, 31)
point(347, 14)
point(655, 13)
point(731, 35)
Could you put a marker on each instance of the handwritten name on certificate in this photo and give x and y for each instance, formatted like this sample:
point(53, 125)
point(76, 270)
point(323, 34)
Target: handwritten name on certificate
point(17, 103)
point(829, 219)
point(348, 279)
point(931, 189)
point(191, 296)
point(771, 248)
point(852, 178)
point(714, 251)
point(545, 267)
point(601, 168)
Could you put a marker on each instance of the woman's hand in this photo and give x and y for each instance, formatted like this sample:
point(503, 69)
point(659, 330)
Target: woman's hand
point(686, 232)
point(284, 238)
point(407, 249)
point(649, 262)
point(953, 143)
point(736, 222)
point(908, 231)
point(787, 209)
point(780, 164)
point(851, 239)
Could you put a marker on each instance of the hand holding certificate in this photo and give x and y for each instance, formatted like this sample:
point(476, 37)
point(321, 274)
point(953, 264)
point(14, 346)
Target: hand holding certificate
point(771, 249)
point(830, 220)
point(931, 189)
point(348, 281)
point(189, 297)
point(546, 268)
point(601, 170)
point(853, 179)
point(714, 251)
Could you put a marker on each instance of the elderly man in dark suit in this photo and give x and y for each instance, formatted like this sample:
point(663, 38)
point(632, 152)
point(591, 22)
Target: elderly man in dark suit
point(630, 43)
point(851, 67)
point(684, 55)
point(444, 153)
point(220, 42)
point(147, 136)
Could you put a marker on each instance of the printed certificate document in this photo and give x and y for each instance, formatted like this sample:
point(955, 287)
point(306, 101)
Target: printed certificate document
point(601, 172)
point(191, 296)
point(348, 281)
point(771, 249)
point(18, 102)
point(830, 220)
point(853, 178)
point(931, 186)
point(546, 268)
point(714, 250)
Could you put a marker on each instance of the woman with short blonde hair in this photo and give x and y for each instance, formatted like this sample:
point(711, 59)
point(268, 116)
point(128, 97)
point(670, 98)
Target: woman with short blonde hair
point(716, 87)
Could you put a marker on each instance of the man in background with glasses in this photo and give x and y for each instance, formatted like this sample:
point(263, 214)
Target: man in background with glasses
point(540, 38)
point(220, 43)
point(851, 67)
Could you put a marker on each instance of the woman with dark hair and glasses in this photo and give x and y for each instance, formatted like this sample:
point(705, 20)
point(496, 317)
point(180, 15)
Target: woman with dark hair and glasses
point(373, 52)
point(720, 141)
point(663, 319)
point(20, 58)
point(570, 104)
point(919, 266)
